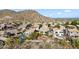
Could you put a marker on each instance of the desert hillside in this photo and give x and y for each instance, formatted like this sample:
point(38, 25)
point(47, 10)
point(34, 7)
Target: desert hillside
point(26, 15)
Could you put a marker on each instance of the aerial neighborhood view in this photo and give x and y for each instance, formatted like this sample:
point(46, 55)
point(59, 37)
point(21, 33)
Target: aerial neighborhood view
point(39, 29)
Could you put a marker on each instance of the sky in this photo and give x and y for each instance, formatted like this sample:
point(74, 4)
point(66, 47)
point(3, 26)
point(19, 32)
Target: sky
point(59, 13)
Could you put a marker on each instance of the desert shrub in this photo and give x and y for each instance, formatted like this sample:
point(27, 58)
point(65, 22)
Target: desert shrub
point(26, 44)
point(49, 25)
point(33, 36)
point(46, 33)
point(17, 42)
point(74, 43)
point(64, 43)
point(67, 23)
point(74, 22)
point(77, 43)
point(2, 43)
point(58, 26)
point(11, 43)
point(47, 45)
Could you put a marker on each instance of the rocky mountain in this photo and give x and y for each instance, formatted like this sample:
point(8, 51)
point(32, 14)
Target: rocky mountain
point(7, 12)
point(26, 15)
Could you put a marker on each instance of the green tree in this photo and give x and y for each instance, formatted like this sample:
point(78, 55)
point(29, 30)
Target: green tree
point(74, 22)
point(66, 24)
point(58, 26)
point(33, 36)
point(49, 25)
point(74, 43)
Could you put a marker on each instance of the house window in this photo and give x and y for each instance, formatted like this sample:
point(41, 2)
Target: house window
point(56, 32)
point(61, 32)
point(71, 32)
point(57, 35)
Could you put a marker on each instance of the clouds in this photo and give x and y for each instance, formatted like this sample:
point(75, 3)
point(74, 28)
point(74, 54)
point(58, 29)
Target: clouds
point(59, 13)
point(67, 11)
point(63, 12)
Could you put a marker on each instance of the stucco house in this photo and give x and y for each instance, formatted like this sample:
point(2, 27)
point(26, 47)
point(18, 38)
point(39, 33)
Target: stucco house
point(59, 32)
point(73, 32)
point(77, 27)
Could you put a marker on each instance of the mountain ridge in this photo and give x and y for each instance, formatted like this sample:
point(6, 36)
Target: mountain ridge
point(27, 15)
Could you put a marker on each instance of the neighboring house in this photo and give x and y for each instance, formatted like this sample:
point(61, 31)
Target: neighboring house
point(77, 27)
point(59, 32)
point(73, 32)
